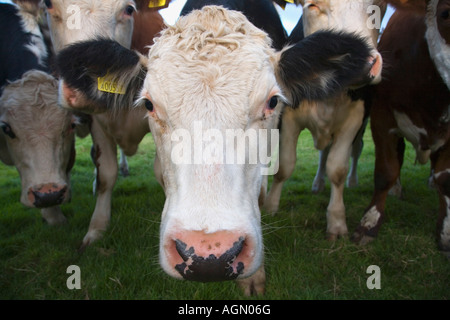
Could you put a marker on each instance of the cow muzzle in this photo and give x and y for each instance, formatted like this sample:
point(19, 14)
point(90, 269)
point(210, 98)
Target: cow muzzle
point(218, 256)
point(47, 195)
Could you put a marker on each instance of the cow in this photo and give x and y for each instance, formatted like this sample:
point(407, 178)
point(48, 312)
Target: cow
point(335, 122)
point(412, 102)
point(37, 137)
point(41, 149)
point(71, 21)
point(212, 74)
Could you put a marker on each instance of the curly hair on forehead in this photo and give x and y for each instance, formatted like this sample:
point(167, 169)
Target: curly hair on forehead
point(213, 28)
point(35, 88)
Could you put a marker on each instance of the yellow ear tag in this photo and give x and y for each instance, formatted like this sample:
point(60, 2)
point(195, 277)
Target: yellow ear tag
point(106, 84)
point(283, 5)
point(156, 3)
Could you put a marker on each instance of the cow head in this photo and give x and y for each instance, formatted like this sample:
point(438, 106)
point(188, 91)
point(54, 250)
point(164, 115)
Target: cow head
point(213, 87)
point(37, 137)
point(76, 20)
point(362, 17)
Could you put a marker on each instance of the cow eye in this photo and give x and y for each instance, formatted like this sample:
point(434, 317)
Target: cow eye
point(149, 105)
point(129, 10)
point(7, 130)
point(48, 4)
point(273, 102)
point(445, 14)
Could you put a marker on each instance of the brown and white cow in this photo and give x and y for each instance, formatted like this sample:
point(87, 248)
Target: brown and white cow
point(412, 102)
point(333, 123)
point(71, 21)
point(209, 79)
point(37, 137)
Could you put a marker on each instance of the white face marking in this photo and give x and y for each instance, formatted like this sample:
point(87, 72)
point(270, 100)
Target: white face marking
point(359, 16)
point(439, 49)
point(74, 20)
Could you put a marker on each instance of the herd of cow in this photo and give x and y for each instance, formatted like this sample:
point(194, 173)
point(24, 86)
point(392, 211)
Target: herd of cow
point(228, 64)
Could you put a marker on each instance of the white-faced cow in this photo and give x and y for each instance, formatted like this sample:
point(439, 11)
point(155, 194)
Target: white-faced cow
point(71, 21)
point(335, 122)
point(37, 137)
point(412, 102)
point(209, 79)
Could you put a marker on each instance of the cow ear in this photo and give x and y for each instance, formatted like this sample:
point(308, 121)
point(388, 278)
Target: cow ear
point(322, 65)
point(98, 75)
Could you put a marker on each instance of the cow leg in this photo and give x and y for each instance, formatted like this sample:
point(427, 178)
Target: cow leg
point(255, 284)
point(107, 167)
point(53, 216)
point(388, 161)
point(357, 147)
point(442, 183)
point(337, 169)
point(319, 180)
point(123, 164)
point(290, 131)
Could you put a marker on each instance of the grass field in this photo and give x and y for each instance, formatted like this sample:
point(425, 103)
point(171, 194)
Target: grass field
point(300, 262)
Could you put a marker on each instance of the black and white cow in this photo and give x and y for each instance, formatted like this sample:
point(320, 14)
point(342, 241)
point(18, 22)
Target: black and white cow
point(209, 79)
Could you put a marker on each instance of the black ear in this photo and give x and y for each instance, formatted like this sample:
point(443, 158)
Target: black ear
point(322, 65)
point(103, 71)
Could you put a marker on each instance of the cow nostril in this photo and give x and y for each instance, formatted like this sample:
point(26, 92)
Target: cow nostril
point(181, 249)
point(209, 267)
point(48, 198)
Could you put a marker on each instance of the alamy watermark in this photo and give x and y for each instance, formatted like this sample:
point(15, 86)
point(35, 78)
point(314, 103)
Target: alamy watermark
point(74, 280)
point(374, 280)
point(230, 146)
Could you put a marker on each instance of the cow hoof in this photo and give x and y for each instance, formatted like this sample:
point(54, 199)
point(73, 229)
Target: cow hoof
point(89, 238)
point(53, 216)
point(124, 171)
point(333, 236)
point(270, 208)
point(254, 285)
point(444, 246)
point(352, 182)
point(318, 186)
point(361, 238)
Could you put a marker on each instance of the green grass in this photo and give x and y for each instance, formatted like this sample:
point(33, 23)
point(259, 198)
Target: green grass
point(300, 262)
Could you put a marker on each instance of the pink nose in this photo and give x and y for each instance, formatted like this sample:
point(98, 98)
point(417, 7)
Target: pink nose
point(206, 257)
point(47, 195)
